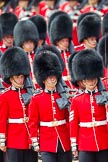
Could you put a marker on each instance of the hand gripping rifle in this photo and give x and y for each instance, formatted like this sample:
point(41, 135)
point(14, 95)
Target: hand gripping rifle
point(28, 85)
point(101, 99)
point(65, 94)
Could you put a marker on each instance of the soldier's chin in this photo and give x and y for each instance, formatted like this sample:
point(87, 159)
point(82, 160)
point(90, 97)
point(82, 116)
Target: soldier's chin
point(54, 83)
point(17, 85)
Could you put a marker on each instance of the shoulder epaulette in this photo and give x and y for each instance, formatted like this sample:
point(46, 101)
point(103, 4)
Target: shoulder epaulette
point(37, 92)
point(79, 94)
point(5, 90)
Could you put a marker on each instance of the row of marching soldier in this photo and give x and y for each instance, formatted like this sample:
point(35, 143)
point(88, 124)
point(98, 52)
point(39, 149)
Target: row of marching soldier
point(53, 97)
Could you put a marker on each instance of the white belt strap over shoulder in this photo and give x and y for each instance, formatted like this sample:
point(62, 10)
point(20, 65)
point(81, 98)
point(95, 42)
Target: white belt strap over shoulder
point(53, 123)
point(93, 124)
point(18, 121)
point(66, 78)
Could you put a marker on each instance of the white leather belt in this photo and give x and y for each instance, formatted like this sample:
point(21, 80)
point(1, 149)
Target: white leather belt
point(65, 78)
point(19, 121)
point(93, 124)
point(53, 123)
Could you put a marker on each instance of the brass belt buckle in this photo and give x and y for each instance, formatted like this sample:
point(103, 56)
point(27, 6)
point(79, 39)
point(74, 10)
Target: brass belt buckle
point(55, 123)
point(25, 119)
point(93, 124)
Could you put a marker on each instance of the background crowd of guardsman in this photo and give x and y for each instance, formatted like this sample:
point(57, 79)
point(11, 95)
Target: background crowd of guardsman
point(69, 26)
point(40, 14)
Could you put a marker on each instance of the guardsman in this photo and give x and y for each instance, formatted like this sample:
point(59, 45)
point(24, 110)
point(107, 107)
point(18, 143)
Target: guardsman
point(7, 21)
point(92, 5)
point(53, 15)
point(47, 7)
point(64, 91)
point(41, 26)
point(72, 8)
point(14, 134)
point(75, 29)
point(53, 138)
point(88, 118)
point(61, 36)
point(25, 8)
point(89, 38)
point(26, 36)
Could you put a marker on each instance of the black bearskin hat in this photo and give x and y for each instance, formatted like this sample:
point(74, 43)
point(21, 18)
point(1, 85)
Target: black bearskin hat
point(41, 25)
point(8, 21)
point(90, 26)
point(61, 27)
point(103, 49)
point(14, 62)
point(53, 49)
point(87, 64)
point(25, 31)
point(83, 15)
point(44, 65)
point(53, 15)
point(105, 24)
point(74, 82)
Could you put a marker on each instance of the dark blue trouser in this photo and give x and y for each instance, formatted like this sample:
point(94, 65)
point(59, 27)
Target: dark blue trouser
point(89, 156)
point(1, 156)
point(60, 156)
point(18, 155)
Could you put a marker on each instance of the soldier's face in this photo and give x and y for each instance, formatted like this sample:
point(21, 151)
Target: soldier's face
point(28, 46)
point(40, 42)
point(73, 3)
point(90, 42)
point(50, 82)
point(8, 40)
point(50, 3)
point(93, 2)
point(90, 84)
point(63, 44)
point(17, 81)
point(22, 3)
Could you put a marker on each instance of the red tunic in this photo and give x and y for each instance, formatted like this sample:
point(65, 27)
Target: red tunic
point(3, 48)
point(85, 109)
point(42, 8)
point(79, 47)
point(44, 108)
point(11, 107)
point(20, 12)
point(105, 78)
point(45, 10)
point(89, 8)
point(66, 76)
